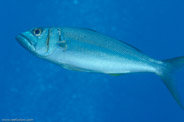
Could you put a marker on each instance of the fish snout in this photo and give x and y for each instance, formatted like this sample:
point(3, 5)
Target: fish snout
point(25, 42)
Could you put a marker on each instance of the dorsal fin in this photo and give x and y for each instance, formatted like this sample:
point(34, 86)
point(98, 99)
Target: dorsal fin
point(89, 29)
point(131, 46)
point(119, 40)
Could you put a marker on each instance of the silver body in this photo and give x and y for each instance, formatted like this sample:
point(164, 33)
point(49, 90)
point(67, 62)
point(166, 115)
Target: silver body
point(87, 50)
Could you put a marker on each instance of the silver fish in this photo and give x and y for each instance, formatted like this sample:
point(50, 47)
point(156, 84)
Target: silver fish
point(87, 50)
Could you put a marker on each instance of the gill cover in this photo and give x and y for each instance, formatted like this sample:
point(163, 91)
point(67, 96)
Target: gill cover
point(47, 39)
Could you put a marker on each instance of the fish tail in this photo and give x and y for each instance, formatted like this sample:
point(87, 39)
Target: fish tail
point(167, 73)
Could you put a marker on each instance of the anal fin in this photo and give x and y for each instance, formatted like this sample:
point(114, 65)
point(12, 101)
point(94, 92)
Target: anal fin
point(115, 74)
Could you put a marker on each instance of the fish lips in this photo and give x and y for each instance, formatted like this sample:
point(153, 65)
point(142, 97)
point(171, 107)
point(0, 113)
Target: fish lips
point(25, 42)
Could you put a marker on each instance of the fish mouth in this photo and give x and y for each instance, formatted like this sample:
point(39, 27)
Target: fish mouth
point(25, 42)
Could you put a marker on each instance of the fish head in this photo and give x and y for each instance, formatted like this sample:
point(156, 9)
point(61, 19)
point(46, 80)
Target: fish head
point(39, 41)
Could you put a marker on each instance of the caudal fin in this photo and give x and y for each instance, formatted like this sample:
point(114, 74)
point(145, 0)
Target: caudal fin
point(167, 75)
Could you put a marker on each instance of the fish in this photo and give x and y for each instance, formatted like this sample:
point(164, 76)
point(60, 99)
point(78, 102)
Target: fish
point(86, 50)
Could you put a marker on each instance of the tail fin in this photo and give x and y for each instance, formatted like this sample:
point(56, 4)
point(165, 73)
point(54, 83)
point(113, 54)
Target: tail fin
point(167, 75)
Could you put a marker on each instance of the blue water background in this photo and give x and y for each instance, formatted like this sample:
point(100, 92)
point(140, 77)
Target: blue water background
point(31, 88)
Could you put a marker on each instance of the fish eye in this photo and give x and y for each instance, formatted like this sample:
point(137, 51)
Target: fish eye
point(37, 32)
